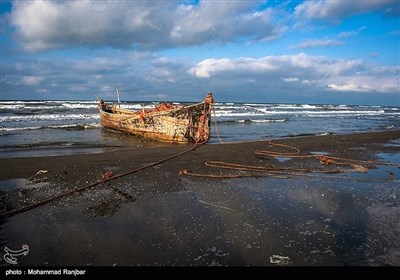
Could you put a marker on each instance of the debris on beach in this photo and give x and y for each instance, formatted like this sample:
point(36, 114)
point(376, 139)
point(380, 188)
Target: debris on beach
point(107, 175)
point(34, 179)
point(42, 171)
point(280, 260)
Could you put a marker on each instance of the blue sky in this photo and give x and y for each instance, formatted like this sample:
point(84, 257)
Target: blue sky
point(336, 51)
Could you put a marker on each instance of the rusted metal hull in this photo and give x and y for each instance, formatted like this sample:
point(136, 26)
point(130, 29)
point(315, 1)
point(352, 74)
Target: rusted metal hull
point(185, 124)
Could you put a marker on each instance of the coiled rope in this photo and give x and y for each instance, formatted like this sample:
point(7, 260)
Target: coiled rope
point(273, 171)
point(356, 165)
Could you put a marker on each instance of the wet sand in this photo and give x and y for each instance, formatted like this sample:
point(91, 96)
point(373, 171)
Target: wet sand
point(155, 217)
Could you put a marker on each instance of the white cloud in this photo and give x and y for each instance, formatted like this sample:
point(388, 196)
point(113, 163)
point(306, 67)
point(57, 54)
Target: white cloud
point(312, 43)
point(338, 9)
point(290, 79)
point(206, 68)
point(42, 90)
point(43, 25)
point(78, 88)
point(351, 33)
point(283, 77)
point(314, 72)
point(349, 87)
point(46, 25)
point(160, 75)
point(80, 78)
point(395, 32)
point(31, 80)
point(327, 42)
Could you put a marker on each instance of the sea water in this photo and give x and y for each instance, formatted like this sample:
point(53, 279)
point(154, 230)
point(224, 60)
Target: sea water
point(45, 128)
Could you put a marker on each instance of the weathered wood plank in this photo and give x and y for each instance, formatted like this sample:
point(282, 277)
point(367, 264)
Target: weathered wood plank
point(177, 124)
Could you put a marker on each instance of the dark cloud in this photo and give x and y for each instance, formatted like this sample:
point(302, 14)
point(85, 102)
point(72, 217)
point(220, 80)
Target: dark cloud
point(138, 75)
point(116, 43)
point(46, 25)
point(161, 78)
point(312, 72)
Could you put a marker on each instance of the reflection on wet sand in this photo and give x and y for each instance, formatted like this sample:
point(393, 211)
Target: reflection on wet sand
point(156, 217)
point(243, 222)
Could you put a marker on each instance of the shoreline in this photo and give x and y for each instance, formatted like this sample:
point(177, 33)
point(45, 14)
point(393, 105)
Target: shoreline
point(157, 217)
point(117, 140)
point(342, 145)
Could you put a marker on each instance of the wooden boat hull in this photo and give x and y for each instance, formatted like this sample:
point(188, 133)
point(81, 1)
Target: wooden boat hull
point(186, 124)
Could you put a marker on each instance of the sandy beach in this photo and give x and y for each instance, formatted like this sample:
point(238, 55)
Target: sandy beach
point(307, 214)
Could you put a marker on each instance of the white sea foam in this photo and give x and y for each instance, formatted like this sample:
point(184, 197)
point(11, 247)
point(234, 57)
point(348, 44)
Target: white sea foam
point(61, 126)
point(289, 119)
point(48, 117)
point(79, 105)
point(268, 121)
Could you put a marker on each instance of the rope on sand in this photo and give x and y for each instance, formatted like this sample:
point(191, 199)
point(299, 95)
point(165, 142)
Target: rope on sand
point(228, 176)
point(324, 159)
point(218, 206)
point(108, 176)
point(105, 178)
point(356, 165)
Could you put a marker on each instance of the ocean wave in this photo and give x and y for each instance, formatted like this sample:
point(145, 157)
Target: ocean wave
point(252, 104)
point(295, 106)
point(79, 106)
point(19, 118)
point(138, 106)
point(55, 145)
point(252, 121)
point(38, 121)
point(237, 113)
point(268, 121)
point(61, 126)
point(321, 112)
point(309, 134)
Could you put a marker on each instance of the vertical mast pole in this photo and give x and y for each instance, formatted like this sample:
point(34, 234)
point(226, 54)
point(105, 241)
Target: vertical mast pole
point(118, 96)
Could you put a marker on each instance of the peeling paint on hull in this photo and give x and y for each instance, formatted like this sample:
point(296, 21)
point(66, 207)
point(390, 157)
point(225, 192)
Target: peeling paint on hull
point(186, 124)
